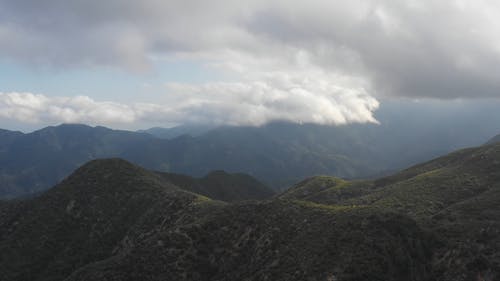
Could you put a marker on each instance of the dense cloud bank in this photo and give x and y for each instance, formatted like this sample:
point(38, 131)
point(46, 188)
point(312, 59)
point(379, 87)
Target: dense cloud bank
point(228, 104)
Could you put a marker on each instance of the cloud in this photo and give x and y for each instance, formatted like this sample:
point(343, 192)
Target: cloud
point(37, 108)
point(438, 49)
point(305, 61)
point(279, 96)
point(253, 103)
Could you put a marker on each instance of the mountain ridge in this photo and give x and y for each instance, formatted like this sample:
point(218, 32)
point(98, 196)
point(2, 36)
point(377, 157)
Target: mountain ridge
point(277, 154)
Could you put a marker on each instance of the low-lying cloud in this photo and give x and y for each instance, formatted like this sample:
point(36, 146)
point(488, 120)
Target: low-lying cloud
point(38, 108)
point(252, 103)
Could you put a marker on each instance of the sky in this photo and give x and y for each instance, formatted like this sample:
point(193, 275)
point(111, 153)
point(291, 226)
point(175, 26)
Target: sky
point(133, 64)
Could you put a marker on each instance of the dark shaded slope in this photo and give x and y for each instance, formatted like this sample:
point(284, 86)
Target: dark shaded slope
point(275, 241)
point(7, 137)
point(81, 220)
point(7, 179)
point(220, 185)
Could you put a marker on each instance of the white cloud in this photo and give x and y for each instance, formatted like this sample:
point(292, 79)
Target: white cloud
point(37, 108)
point(252, 103)
point(279, 96)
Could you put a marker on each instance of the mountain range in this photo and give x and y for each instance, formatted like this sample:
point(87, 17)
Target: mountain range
point(112, 220)
point(277, 154)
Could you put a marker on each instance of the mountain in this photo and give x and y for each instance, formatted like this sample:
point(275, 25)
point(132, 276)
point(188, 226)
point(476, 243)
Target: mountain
point(7, 137)
point(494, 139)
point(31, 163)
point(277, 154)
point(220, 185)
point(111, 220)
point(456, 197)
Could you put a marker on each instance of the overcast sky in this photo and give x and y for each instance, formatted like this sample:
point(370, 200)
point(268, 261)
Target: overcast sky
point(158, 62)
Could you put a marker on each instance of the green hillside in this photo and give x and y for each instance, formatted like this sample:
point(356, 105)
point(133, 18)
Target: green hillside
point(456, 197)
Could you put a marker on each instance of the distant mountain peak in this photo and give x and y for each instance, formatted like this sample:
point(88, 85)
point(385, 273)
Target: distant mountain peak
point(68, 125)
